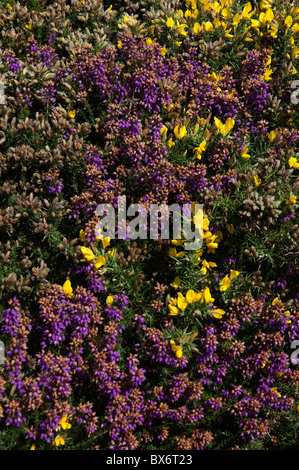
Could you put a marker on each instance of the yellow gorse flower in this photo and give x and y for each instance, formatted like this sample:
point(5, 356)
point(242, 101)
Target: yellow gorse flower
point(197, 28)
point(265, 4)
point(181, 28)
point(244, 153)
point(163, 131)
point(170, 143)
point(233, 274)
point(177, 305)
point(206, 134)
point(210, 241)
point(67, 289)
point(196, 128)
point(87, 253)
point(246, 15)
point(149, 41)
point(180, 131)
point(274, 389)
point(267, 74)
point(170, 23)
point(177, 242)
point(82, 235)
point(63, 423)
point(199, 150)
point(59, 441)
point(173, 309)
point(225, 13)
point(181, 302)
point(288, 314)
point(165, 106)
point(106, 242)
point(266, 17)
point(178, 350)
point(295, 52)
point(192, 296)
point(110, 253)
point(291, 200)
point(295, 28)
point(196, 253)
point(192, 4)
point(293, 163)
point(173, 252)
point(256, 180)
point(207, 26)
point(288, 21)
point(218, 313)
point(205, 223)
point(207, 265)
point(109, 300)
point(216, 7)
point(226, 127)
point(191, 15)
point(225, 284)
point(206, 296)
point(176, 283)
point(236, 20)
point(100, 261)
point(228, 35)
point(72, 114)
point(273, 32)
point(213, 77)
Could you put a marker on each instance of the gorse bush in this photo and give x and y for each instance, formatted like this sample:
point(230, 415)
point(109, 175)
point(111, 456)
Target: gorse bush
point(143, 344)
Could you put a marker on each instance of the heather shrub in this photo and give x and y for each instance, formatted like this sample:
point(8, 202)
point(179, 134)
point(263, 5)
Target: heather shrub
point(129, 344)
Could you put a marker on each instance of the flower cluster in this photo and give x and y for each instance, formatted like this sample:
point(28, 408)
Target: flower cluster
point(120, 344)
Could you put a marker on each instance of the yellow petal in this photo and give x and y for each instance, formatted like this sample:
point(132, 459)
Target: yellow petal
point(218, 313)
point(179, 352)
point(170, 23)
point(173, 310)
point(182, 302)
point(234, 274)
point(100, 261)
point(176, 283)
point(72, 114)
point(206, 296)
point(288, 21)
point(225, 284)
point(67, 289)
point(190, 295)
point(87, 253)
point(293, 163)
point(109, 300)
point(59, 441)
point(106, 241)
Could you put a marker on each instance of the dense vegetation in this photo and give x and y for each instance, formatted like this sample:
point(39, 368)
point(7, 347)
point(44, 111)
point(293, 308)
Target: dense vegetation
point(143, 344)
